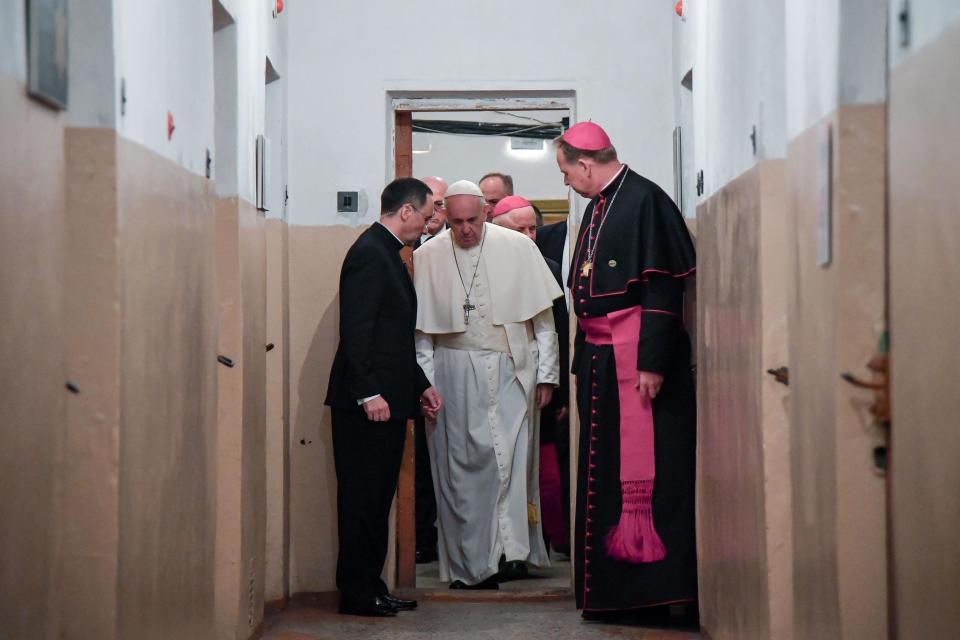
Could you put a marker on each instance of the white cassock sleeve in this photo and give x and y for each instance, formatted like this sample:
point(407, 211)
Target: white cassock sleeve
point(548, 366)
point(424, 342)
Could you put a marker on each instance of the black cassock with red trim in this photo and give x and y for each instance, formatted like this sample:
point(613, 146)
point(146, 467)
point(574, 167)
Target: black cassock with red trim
point(634, 251)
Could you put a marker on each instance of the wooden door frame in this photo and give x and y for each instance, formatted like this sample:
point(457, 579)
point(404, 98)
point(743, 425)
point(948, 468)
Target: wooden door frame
point(401, 109)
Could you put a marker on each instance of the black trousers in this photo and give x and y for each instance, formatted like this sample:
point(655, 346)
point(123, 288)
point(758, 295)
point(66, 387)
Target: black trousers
point(367, 459)
point(426, 501)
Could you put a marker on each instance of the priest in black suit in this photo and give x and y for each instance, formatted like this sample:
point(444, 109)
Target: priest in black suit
point(375, 384)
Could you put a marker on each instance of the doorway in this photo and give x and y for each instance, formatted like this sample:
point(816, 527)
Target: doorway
point(456, 138)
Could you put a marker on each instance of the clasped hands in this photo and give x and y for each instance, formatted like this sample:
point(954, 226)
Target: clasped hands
point(378, 410)
point(430, 403)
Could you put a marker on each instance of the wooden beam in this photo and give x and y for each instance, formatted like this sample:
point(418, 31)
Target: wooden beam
point(406, 501)
point(403, 144)
point(480, 102)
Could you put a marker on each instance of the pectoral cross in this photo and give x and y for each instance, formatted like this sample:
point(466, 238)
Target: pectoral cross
point(467, 308)
point(585, 270)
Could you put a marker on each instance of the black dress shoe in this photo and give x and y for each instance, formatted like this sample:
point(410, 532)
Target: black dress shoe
point(373, 606)
point(513, 570)
point(489, 583)
point(399, 603)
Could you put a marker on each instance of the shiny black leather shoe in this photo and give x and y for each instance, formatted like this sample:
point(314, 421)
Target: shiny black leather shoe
point(513, 570)
point(373, 607)
point(399, 603)
point(489, 583)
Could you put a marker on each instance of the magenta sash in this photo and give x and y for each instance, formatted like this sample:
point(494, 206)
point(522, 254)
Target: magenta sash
point(634, 539)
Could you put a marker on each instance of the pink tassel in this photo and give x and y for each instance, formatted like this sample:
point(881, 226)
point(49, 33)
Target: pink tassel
point(634, 539)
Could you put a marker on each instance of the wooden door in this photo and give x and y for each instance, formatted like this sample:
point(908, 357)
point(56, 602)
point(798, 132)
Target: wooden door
point(837, 320)
point(924, 161)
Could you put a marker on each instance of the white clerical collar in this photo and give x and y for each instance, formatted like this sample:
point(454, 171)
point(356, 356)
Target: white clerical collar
point(615, 176)
point(391, 232)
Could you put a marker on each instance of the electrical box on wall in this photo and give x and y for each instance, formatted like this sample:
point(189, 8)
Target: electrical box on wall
point(348, 201)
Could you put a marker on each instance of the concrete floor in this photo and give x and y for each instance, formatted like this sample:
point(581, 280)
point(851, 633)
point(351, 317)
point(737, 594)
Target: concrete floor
point(556, 577)
point(459, 620)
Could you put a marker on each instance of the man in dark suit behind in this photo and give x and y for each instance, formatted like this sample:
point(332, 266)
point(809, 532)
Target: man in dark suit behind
point(374, 386)
point(551, 239)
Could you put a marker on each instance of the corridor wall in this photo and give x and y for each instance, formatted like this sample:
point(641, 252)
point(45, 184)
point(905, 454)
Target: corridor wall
point(806, 549)
point(744, 502)
point(924, 290)
point(111, 283)
point(140, 483)
point(32, 345)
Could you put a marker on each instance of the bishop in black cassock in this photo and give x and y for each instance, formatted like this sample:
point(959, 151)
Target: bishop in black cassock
point(635, 541)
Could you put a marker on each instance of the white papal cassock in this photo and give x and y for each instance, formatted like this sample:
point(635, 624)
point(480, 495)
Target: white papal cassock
point(484, 447)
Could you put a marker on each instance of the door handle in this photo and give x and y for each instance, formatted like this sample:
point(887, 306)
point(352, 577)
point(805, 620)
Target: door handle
point(781, 375)
point(879, 384)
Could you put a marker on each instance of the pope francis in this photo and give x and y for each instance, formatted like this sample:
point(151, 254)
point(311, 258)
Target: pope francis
point(486, 340)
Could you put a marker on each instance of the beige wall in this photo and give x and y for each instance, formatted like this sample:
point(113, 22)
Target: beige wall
point(775, 398)
point(33, 400)
point(925, 334)
point(241, 418)
point(743, 463)
point(316, 254)
point(168, 390)
point(136, 554)
point(836, 316)
point(89, 562)
point(278, 412)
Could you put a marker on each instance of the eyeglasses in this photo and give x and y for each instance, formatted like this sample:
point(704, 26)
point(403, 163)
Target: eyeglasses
point(426, 216)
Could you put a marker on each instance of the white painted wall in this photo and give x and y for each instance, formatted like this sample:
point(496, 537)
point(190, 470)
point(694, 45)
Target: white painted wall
point(738, 85)
point(345, 57)
point(92, 65)
point(164, 52)
point(13, 42)
point(225, 168)
point(836, 53)
point(812, 52)
point(457, 157)
point(684, 59)
point(780, 66)
point(164, 56)
point(684, 40)
point(275, 126)
point(928, 19)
